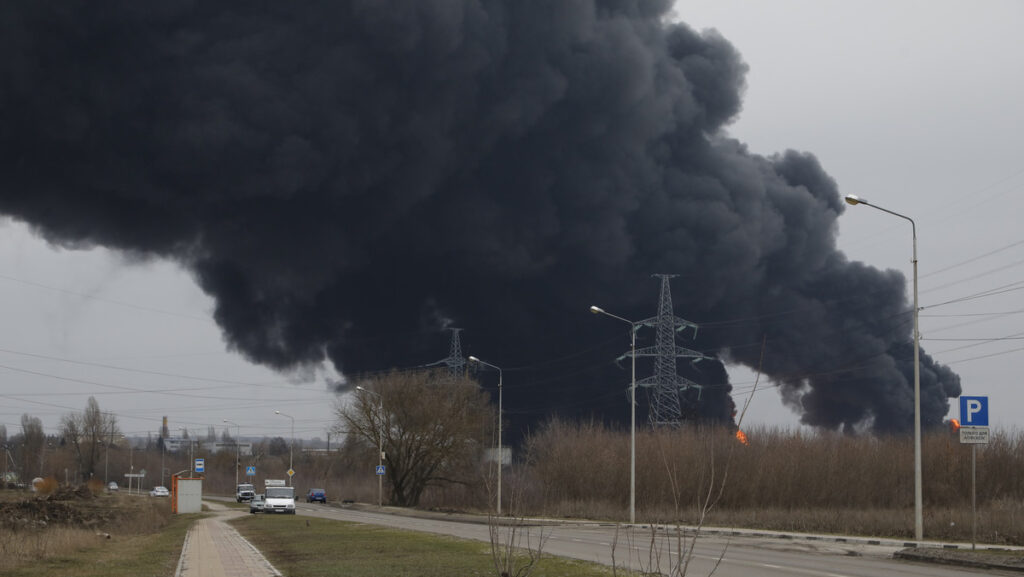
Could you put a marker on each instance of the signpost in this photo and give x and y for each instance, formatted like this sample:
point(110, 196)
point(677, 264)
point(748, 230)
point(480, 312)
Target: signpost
point(250, 471)
point(138, 484)
point(200, 465)
point(974, 431)
point(380, 469)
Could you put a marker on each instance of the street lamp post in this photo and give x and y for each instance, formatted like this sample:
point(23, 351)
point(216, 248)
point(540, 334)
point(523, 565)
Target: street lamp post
point(918, 508)
point(501, 450)
point(380, 443)
point(291, 448)
point(632, 413)
point(238, 431)
point(106, 456)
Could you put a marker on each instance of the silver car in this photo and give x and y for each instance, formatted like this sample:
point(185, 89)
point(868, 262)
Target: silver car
point(256, 505)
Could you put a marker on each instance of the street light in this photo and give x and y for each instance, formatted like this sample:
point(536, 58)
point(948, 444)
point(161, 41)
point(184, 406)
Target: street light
point(501, 453)
point(918, 508)
point(291, 448)
point(380, 444)
point(632, 414)
point(238, 431)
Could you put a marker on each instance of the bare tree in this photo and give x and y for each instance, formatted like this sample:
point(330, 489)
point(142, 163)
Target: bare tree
point(85, 433)
point(432, 428)
point(32, 444)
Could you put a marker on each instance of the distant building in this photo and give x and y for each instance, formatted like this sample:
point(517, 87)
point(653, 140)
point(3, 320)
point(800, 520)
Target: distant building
point(218, 446)
point(177, 444)
point(180, 445)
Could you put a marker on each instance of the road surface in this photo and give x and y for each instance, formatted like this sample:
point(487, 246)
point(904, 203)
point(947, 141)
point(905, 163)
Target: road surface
point(741, 556)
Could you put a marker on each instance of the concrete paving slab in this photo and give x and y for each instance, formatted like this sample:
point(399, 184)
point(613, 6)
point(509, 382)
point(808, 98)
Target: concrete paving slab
point(215, 549)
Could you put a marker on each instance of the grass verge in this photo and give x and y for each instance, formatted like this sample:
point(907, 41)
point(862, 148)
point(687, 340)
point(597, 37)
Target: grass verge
point(343, 549)
point(82, 553)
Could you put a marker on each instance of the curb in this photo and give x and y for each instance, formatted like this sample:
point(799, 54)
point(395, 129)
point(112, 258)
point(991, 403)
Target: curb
point(915, 555)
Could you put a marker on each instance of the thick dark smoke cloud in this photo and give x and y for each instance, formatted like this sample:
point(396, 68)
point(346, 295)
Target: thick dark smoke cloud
point(340, 174)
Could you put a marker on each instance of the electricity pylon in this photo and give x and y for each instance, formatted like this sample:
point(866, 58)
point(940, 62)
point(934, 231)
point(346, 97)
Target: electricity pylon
point(665, 386)
point(455, 362)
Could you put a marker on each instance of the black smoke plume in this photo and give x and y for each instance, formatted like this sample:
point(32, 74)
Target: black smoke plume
point(340, 174)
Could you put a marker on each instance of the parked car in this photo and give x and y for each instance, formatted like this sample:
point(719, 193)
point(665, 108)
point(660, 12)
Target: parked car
point(316, 495)
point(112, 486)
point(256, 504)
point(160, 491)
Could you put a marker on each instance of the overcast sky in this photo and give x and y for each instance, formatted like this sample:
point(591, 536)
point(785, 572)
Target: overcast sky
point(915, 106)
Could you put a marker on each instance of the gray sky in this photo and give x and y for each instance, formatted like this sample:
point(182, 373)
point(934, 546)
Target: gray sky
point(912, 105)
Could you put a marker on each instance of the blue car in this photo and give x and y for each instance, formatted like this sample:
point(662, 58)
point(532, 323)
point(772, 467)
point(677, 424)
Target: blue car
point(316, 495)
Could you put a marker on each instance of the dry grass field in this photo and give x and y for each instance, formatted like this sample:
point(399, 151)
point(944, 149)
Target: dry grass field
point(85, 531)
point(782, 479)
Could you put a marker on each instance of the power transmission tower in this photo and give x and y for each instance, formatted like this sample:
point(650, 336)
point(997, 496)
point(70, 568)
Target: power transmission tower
point(665, 386)
point(455, 362)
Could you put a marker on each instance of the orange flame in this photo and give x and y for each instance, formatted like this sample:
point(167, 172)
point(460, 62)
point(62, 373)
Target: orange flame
point(742, 437)
point(954, 425)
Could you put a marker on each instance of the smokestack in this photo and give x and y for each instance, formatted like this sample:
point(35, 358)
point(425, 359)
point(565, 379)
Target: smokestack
point(340, 175)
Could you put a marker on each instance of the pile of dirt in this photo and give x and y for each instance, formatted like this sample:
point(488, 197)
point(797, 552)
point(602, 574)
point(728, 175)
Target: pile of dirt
point(80, 493)
point(69, 507)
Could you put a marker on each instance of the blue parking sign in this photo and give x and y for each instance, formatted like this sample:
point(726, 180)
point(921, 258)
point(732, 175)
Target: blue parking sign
point(974, 411)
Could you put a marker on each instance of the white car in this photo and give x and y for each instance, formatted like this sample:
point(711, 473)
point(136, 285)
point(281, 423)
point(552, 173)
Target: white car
point(112, 486)
point(159, 491)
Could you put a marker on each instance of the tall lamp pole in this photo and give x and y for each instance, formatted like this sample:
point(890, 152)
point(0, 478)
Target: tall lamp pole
point(291, 448)
point(380, 443)
point(238, 431)
point(918, 508)
point(632, 413)
point(501, 450)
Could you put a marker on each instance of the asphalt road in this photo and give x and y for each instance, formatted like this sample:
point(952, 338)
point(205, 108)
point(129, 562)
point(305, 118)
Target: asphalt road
point(740, 556)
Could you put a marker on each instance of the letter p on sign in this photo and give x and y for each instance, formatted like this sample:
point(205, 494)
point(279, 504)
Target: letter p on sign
point(974, 411)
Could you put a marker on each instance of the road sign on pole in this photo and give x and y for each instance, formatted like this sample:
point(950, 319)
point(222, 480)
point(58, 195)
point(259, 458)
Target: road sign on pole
point(380, 469)
point(974, 432)
point(974, 411)
point(974, 435)
point(974, 420)
point(200, 465)
point(250, 471)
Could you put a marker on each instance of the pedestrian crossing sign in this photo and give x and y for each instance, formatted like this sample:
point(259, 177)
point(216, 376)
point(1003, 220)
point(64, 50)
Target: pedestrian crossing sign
point(380, 469)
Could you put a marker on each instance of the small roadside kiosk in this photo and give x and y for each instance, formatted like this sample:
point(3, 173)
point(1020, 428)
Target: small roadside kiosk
point(186, 493)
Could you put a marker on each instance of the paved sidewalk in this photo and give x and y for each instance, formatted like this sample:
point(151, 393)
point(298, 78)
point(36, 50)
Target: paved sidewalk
point(214, 549)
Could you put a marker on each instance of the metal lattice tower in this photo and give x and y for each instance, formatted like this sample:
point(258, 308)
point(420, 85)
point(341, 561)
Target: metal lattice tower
point(666, 386)
point(455, 362)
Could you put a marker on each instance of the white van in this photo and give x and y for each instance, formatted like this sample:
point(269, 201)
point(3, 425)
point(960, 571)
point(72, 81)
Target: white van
point(278, 498)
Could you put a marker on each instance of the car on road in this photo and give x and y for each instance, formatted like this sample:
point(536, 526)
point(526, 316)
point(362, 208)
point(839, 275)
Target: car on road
point(256, 504)
point(112, 486)
point(315, 495)
point(160, 491)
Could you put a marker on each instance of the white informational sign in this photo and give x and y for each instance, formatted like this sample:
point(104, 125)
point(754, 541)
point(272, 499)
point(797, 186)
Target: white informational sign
point(200, 465)
point(974, 435)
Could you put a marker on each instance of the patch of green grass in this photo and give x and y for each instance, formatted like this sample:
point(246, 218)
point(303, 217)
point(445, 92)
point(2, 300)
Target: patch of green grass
point(343, 549)
point(148, 555)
